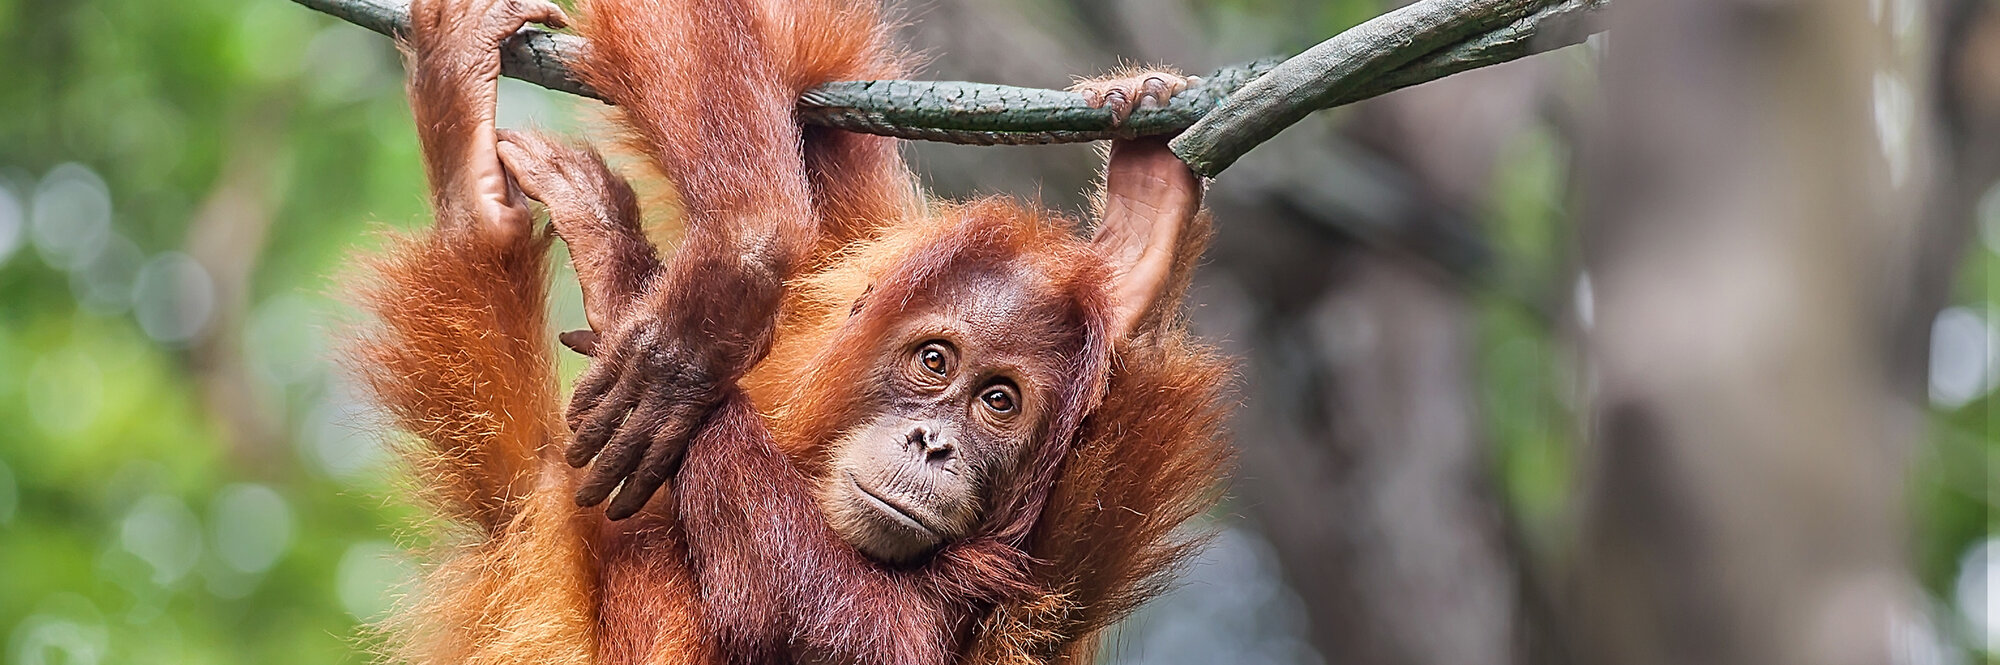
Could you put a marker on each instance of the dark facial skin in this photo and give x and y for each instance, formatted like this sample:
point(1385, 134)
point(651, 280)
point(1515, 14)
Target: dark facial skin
point(953, 407)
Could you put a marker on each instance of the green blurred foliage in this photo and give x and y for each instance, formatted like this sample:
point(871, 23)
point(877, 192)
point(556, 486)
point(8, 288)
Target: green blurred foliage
point(138, 525)
point(139, 520)
point(1955, 475)
point(133, 528)
point(1529, 391)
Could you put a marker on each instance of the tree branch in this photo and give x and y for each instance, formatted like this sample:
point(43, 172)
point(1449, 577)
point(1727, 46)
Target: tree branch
point(1382, 54)
point(1424, 41)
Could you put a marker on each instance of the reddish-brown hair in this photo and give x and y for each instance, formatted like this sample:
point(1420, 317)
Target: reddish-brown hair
point(461, 358)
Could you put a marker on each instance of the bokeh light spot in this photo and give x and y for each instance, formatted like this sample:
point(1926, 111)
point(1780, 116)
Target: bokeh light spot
point(1914, 638)
point(66, 629)
point(161, 531)
point(173, 298)
point(1963, 365)
point(250, 526)
point(1895, 124)
point(71, 216)
point(1973, 593)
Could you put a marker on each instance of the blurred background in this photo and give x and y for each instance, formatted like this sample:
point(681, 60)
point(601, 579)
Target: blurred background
point(1677, 346)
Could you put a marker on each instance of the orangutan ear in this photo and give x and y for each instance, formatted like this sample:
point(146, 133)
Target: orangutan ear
point(1150, 200)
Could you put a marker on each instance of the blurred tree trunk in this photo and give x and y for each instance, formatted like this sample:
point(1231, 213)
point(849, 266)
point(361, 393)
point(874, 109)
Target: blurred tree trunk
point(1362, 449)
point(227, 236)
point(1746, 206)
point(1362, 460)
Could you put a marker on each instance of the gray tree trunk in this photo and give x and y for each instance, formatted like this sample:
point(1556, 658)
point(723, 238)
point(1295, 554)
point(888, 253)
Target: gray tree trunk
point(1756, 173)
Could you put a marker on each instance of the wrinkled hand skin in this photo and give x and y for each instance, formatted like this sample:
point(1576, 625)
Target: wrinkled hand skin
point(1123, 94)
point(657, 375)
point(660, 355)
point(647, 389)
point(596, 213)
point(455, 60)
point(645, 395)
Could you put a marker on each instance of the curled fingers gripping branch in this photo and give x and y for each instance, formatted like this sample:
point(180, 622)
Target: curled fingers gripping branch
point(454, 53)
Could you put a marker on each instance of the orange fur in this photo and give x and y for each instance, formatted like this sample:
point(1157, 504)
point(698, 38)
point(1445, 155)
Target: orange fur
point(461, 360)
point(1149, 457)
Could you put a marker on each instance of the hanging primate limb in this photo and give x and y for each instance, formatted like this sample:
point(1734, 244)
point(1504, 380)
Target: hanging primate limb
point(599, 219)
point(707, 95)
point(460, 359)
point(718, 122)
point(482, 264)
point(934, 470)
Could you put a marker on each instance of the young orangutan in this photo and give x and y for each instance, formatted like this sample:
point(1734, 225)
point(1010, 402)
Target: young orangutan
point(978, 430)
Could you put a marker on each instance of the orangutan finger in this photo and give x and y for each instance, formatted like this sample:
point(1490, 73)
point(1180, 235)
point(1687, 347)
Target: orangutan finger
point(624, 451)
point(604, 372)
point(663, 458)
point(545, 13)
point(601, 422)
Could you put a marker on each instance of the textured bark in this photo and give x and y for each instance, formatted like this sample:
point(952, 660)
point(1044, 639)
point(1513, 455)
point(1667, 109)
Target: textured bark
point(1456, 35)
point(1328, 72)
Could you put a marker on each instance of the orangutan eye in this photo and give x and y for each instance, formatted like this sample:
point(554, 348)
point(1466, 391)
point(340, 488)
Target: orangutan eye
point(935, 357)
point(1000, 398)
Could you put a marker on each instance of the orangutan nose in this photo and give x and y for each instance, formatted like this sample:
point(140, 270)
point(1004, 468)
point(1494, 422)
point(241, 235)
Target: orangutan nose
point(934, 445)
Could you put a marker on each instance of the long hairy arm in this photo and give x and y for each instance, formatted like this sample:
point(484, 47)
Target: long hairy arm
point(459, 356)
point(701, 96)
